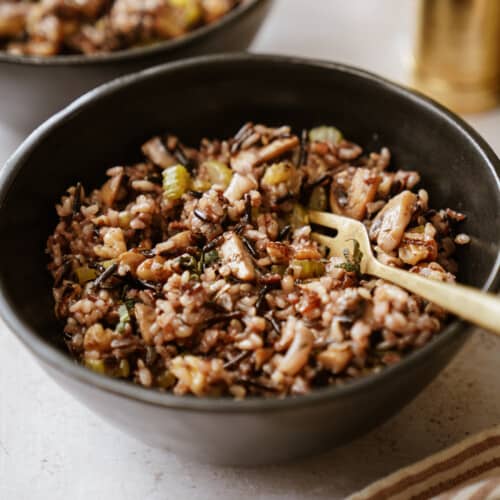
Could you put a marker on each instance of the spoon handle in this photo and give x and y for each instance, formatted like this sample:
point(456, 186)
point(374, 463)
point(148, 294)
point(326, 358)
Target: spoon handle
point(480, 308)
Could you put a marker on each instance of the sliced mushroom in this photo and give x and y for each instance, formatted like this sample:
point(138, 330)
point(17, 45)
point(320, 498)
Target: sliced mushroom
point(362, 190)
point(156, 151)
point(418, 244)
point(390, 223)
point(297, 354)
point(433, 271)
point(239, 185)
point(178, 241)
point(244, 161)
point(278, 252)
point(111, 188)
point(334, 359)
point(129, 261)
point(277, 148)
point(234, 254)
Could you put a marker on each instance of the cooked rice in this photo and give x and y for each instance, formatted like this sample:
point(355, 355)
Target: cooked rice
point(208, 283)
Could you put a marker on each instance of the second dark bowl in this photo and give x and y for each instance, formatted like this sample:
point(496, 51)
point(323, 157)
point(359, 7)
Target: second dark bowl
point(212, 97)
point(33, 88)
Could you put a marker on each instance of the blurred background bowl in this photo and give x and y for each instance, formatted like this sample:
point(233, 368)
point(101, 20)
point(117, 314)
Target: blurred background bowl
point(33, 88)
point(212, 96)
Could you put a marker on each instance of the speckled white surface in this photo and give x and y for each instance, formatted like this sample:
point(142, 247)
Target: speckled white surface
point(52, 447)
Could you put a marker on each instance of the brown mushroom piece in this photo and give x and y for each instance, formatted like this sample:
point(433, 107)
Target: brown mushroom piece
point(277, 148)
point(244, 161)
point(361, 191)
point(390, 223)
point(156, 151)
point(237, 258)
point(297, 355)
point(110, 190)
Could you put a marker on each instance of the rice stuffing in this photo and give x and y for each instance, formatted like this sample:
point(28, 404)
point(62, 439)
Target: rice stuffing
point(193, 271)
point(45, 28)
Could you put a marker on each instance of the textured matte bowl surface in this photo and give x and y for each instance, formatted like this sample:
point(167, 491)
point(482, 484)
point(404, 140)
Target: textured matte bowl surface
point(33, 88)
point(212, 97)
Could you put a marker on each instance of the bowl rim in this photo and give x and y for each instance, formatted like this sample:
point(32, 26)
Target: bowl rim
point(62, 363)
point(134, 53)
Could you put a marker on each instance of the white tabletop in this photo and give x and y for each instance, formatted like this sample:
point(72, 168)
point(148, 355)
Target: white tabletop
point(51, 447)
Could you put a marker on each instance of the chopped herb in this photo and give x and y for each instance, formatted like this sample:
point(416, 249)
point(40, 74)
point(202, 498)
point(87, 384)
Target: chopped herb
point(188, 262)
point(352, 265)
point(210, 258)
point(124, 318)
point(130, 303)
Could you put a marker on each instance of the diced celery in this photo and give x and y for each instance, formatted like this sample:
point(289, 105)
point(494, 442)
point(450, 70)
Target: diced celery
point(166, 380)
point(318, 199)
point(124, 317)
point(276, 173)
point(123, 370)
point(200, 185)
point(278, 269)
point(305, 269)
point(191, 10)
point(85, 273)
point(325, 134)
point(218, 173)
point(107, 263)
point(298, 216)
point(96, 365)
point(176, 181)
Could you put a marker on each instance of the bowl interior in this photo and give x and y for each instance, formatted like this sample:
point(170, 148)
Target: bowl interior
point(213, 97)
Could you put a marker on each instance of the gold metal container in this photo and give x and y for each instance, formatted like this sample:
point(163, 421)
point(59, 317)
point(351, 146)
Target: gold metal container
point(457, 53)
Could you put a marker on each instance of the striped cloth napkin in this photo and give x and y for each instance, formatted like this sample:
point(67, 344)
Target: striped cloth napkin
point(469, 470)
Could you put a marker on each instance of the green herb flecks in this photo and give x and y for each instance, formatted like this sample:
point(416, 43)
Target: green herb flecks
point(124, 314)
point(352, 264)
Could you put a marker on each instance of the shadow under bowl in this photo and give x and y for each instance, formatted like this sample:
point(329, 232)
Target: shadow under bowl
point(213, 96)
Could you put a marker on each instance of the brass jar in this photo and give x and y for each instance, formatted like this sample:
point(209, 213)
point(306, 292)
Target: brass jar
point(457, 53)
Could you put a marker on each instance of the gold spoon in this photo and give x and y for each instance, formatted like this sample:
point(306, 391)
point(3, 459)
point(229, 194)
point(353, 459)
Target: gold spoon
point(478, 307)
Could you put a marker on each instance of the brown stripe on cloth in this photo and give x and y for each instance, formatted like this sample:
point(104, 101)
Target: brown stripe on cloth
point(462, 478)
point(474, 457)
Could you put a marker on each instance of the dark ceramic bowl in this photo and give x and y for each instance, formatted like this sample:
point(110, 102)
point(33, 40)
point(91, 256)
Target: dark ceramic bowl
point(33, 88)
point(213, 96)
